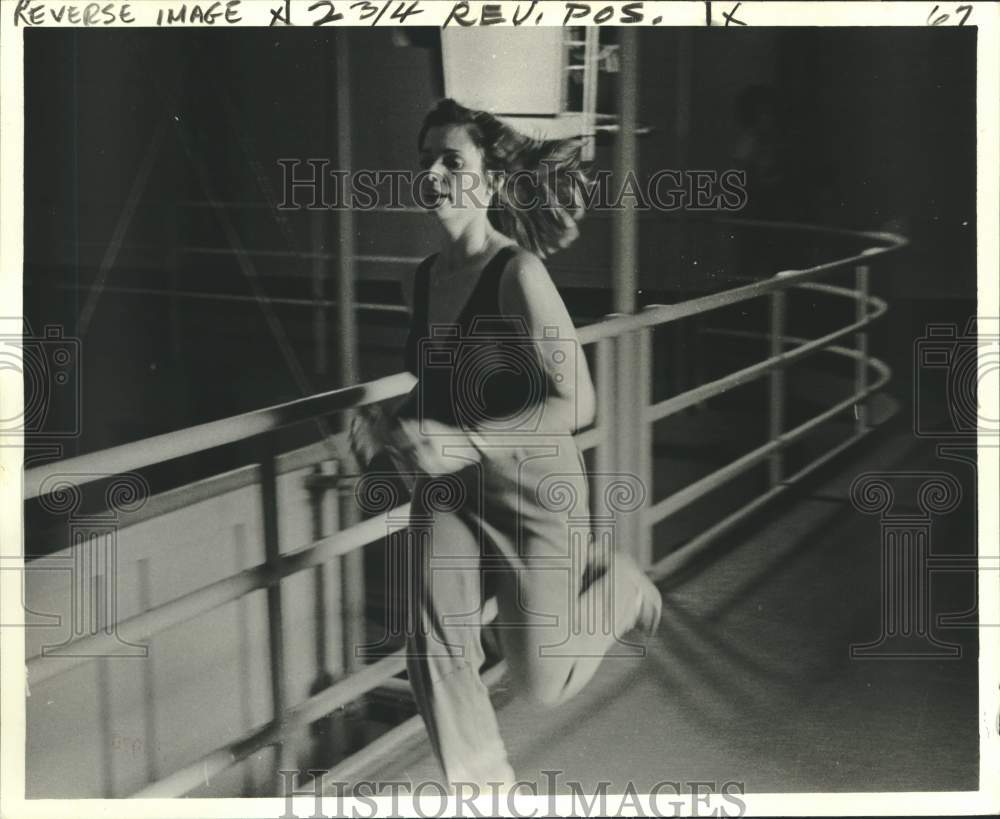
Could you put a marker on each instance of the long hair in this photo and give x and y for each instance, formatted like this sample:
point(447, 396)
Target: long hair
point(542, 195)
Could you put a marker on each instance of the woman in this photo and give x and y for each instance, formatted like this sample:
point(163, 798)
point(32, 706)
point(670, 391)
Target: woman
point(487, 435)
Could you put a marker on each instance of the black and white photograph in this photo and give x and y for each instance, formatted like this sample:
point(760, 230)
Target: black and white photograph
point(462, 408)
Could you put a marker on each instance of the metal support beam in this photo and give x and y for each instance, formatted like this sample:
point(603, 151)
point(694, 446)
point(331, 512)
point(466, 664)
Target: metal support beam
point(643, 438)
point(275, 615)
point(626, 160)
point(319, 228)
point(345, 222)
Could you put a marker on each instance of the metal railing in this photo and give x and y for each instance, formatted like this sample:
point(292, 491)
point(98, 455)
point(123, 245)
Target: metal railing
point(621, 438)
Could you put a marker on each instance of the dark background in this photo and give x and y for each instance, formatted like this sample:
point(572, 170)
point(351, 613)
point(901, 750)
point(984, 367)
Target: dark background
point(858, 128)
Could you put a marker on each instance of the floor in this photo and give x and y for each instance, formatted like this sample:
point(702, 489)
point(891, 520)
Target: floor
point(750, 678)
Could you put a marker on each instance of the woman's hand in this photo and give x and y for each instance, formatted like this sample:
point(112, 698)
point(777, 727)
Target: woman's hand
point(431, 446)
point(369, 433)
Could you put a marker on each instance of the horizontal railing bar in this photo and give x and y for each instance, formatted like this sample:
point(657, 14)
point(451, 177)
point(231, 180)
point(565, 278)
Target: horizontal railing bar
point(232, 588)
point(374, 307)
point(822, 460)
point(372, 676)
point(139, 627)
point(892, 240)
point(681, 557)
point(191, 494)
point(832, 289)
point(692, 492)
point(210, 597)
point(590, 438)
point(172, 500)
point(319, 705)
point(395, 685)
point(694, 547)
point(340, 694)
point(218, 433)
point(170, 445)
point(670, 406)
point(657, 314)
point(823, 417)
point(213, 486)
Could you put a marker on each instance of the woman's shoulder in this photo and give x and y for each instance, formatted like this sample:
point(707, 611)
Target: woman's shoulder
point(524, 278)
point(521, 264)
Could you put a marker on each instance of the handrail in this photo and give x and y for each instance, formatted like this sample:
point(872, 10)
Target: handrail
point(318, 705)
point(612, 453)
point(170, 445)
point(668, 407)
point(693, 491)
point(207, 598)
point(694, 547)
point(663, 313)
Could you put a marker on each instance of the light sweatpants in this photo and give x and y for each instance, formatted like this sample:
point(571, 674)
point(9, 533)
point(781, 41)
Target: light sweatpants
point(517, 525)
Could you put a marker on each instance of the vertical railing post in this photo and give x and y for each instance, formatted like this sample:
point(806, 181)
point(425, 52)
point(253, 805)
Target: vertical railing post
point(605, 456)
point(625, 227)
point(345, 221)
point(323, 730)
point(625, 269)
point(776, 385)
point(352, 580)
point(320, 219)
point(625, 435)
point(643, 439)
point(353, 616)
point(144, 581)
point(605, 459)
point(100, 622)
point(275, 619)
point(861, 344)
point(244, 652)
point(591, 71)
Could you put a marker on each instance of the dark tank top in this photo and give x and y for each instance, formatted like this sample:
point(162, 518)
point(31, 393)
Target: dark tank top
point(484, 371)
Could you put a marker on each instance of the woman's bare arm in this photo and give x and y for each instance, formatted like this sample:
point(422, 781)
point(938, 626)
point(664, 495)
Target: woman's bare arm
point(527, 290)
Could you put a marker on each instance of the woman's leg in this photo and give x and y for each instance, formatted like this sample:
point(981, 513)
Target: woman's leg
point(571, 595)
point(444, 648)
point(555, 636)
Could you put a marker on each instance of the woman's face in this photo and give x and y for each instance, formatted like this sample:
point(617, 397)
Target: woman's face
point(455, 184)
